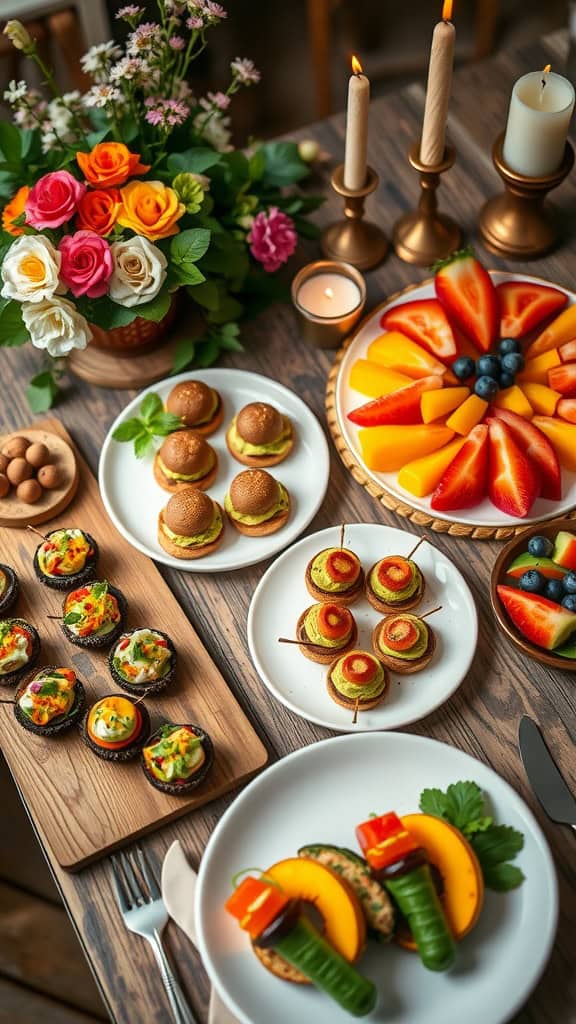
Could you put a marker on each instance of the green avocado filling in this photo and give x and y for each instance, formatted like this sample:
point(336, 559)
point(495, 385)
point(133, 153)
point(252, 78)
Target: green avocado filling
point(253, 520)
point(177, 755)
point(187, 476)
point(321, 577)
point(351, 690)
point(396, 596)
point(274, 448)
point(200, 538)
point(414, 652)
point(315, 636)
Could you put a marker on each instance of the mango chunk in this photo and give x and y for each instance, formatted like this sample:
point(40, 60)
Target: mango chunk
point(445, 401)
point(422, 476)
point(374, 380)
point(467, 415)
point(402, 354)
point(386, 449)
point(562, 436)
point(536, 370)
point(515, 400)
point(542, 398)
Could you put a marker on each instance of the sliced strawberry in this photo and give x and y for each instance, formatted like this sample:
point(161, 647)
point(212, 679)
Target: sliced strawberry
point(343, 566)
point(334, 621)
point(399, 407)
point(424, 321)
point(394, 572)
point(541, 621)
point(465, 482)
point(536, 446)
point(469, 298)
point(399, 633)
point(525, 305)
point(563, 379)
point(359, 668)
point(513, 483)
point(566, 409)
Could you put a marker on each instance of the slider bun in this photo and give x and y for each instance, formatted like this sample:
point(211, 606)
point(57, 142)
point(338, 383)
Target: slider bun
point(189, 512)
point(185, 452)
point(193, 400)
point(253, 492)
point(259, 423)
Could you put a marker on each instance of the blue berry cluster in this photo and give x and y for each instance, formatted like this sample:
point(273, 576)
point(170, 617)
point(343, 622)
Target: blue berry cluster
point(534, 582)
point(492, 372)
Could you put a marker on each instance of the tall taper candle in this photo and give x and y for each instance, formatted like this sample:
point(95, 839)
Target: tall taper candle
point(356, 128)
point(438, 89)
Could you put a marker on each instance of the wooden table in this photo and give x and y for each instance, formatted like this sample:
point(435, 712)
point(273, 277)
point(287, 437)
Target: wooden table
point(482, 718)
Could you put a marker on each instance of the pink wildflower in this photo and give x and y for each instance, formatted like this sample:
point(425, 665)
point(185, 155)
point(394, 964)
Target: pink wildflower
point(272, 238)
point(129, 11)
point(244, 71)
point(176, 43)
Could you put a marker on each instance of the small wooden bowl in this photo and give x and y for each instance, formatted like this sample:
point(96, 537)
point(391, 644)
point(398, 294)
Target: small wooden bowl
point(509, 552)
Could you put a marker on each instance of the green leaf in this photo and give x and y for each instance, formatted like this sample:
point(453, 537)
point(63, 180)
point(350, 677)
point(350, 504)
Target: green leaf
point(95, 137)
point(257, 165)
point(503, 877)
point(142, 445)
point(165, 423)
point(478, 825)
point(157, 308)
point(12, 329)
point(465, 802)
point(189, 246)
point(128, 430)
point(10, 142)
point(105, 313)
point(42, 391)
point(183, 354)
point(188, 273)
point(72, 618)
point(99, 589)
point(497, 844)
point(151, 406)
point(207, 294)
point(195, 160)
point(208, 351)
point(433, 801)
point(306, 229)
point(283, 166)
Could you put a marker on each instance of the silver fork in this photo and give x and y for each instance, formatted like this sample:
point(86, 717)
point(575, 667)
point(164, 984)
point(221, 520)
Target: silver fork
point(142, 907)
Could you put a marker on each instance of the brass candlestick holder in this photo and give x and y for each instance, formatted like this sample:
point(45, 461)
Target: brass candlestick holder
point(425, 235)
point(354, 240)
point(519, 223)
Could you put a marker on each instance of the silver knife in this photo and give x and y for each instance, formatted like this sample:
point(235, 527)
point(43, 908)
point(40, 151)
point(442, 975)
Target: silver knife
point(544, 776)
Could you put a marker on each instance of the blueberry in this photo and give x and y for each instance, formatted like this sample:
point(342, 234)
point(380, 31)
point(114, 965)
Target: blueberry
point(463, 368)
point(532, 581)
point(569, 602)
point(488, 366)
point(554, 590)
point(486, 387)
point(506, 379)
point(569, 583)
point(540, 547)
point(513, 362)
point(508, 345)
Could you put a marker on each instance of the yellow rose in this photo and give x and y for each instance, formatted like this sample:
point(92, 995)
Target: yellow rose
point(150, 209)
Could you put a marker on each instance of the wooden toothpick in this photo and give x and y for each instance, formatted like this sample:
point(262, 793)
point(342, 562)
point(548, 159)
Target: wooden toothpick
point(421, 541)
point(37, 532)
point(7, 701)
point(431, 612)
point(299, 643)
point(342, 528)
point(355, 718)
point(140, 699)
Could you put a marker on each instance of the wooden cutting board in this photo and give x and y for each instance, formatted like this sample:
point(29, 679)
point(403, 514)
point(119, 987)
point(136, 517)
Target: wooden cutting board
point(87, 807)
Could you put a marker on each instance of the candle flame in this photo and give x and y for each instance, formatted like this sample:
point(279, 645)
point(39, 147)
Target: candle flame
point(547, 69)
point(356, 66)
point(447, 10)
point(329, 293)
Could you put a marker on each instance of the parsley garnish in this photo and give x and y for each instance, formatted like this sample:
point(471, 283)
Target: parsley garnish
point(99, 589)
point(463, 806)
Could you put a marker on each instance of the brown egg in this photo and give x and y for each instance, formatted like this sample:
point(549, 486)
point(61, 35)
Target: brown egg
point(29, 491)
point(4, 460)
point(37, 455)
point(4, 485)
point(15, 447)
point(50, 477)
point(18, 471)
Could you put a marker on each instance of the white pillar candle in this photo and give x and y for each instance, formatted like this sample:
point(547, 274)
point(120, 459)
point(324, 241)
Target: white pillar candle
point(328, 295)
point(438, 89)
point(538, 123)
point(355, 159)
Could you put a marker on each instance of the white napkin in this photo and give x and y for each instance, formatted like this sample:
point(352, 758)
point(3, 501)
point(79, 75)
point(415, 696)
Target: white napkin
point(178, 887)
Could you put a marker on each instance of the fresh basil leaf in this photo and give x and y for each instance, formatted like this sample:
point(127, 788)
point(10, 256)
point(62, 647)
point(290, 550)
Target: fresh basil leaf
point(72, 618)
point(142, 445)
point(151, 406)
point(128, 430)
point(42, 391)
point(502, 877)
point(165, 423)
point(433, 801)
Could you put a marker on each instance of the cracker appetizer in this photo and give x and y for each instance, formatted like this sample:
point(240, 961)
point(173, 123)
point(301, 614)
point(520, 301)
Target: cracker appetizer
point(335, 575)
point(191, 525)
point(256, 503)
point(93, 616)
point(394, 584)
point(9, 588)
point(327, 630)
point(19, 650)
point(357, 680)
point(198, 406)
point(143, 661)
point(66, 559)
point(260, 436)
point(404, 643)
point(50, 701)
point(177, 758)
point(185, 460)
point(116, 728)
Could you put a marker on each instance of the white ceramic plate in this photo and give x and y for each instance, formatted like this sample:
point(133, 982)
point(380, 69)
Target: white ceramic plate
point(319, 794)
point(300, 684)
point(133, 499)
point(483, 514)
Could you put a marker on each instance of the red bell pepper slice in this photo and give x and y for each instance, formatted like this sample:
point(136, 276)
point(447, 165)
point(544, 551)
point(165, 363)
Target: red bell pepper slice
point(384, 841)
point(255, 903)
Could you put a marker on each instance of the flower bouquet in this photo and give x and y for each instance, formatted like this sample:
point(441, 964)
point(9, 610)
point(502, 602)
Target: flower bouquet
point(119, 198)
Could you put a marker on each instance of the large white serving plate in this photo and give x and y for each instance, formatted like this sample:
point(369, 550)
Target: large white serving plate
point(133, 499)
point(319, 794)
point(483, 514)
point(300, 684)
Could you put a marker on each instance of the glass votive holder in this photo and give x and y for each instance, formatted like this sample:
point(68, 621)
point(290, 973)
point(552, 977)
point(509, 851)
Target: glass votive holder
point(329, 299)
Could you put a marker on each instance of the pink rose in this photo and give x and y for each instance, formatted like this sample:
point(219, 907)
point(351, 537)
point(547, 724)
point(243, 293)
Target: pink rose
point(53, 200)
point(272, 238)
point(86, 264)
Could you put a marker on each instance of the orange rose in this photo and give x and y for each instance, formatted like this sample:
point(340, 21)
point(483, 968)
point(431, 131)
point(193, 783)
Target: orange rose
point(110, 163)
point(150, 209)
point(13, 209)
point(98, 210)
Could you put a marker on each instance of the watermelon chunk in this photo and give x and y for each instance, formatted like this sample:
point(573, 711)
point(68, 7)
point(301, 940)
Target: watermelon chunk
point(541, 621)
point(565, 550)
point(546, 566)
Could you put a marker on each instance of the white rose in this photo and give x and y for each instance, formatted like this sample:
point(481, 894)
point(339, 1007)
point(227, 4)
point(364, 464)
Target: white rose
point(139, 271)
point(56, 325)
point(31, 270)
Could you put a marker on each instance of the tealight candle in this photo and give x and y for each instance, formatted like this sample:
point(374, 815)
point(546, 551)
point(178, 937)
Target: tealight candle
point(329, 298)
point(541, 107)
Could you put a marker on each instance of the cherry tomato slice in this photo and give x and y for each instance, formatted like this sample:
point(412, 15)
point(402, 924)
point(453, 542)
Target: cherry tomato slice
point(334, 622)
point(343, 566)
point(358, 668)
point(400, 634)
point(394, 573)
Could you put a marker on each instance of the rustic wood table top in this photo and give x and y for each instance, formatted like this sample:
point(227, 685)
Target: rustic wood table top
point(482, 718)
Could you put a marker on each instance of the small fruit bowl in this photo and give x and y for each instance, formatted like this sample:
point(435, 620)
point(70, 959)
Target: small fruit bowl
point(516, 547)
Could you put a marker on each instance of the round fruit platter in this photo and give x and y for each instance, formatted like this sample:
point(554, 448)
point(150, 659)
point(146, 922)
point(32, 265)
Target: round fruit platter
point(453, 402)
point(282, 596)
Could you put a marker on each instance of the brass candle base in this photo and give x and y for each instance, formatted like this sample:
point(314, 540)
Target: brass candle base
point(354, 240)
point(519, 223)
point(425, 235)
